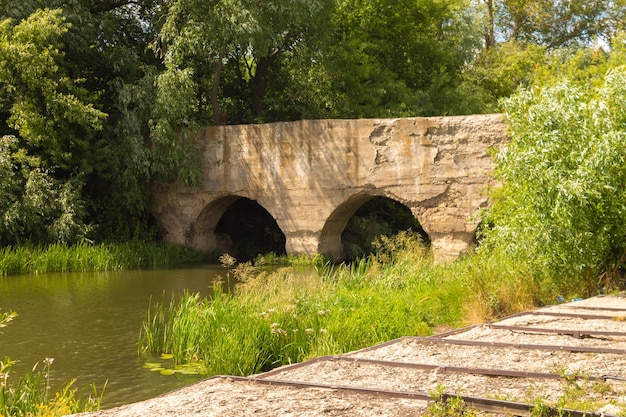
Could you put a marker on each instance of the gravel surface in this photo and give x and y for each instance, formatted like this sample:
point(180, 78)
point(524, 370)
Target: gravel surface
point(234, 397)
point(416, 350)
point(368, 375)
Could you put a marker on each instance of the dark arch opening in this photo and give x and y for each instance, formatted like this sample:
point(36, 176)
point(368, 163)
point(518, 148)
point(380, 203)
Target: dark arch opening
point(247, 230)
point(377, 217)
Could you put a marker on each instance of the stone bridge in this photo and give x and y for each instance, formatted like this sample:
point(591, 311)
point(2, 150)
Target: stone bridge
point(312, 176)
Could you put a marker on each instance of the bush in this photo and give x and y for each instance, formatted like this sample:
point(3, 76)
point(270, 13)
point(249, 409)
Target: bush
point(562, 206)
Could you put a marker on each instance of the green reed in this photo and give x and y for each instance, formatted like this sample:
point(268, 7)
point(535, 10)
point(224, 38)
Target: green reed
point(94, 257)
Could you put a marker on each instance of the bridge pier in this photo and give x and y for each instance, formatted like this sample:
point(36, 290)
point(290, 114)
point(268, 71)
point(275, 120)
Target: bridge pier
point(447, 246)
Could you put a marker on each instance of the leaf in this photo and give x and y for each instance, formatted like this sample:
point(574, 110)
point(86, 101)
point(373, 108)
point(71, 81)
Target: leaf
point(149, 365)
point(168, 371)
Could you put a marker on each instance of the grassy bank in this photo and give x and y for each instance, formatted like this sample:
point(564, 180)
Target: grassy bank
point(272, 319)
point(94, 257)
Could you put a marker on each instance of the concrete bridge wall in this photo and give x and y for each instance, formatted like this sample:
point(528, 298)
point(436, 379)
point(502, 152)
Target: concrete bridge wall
point(312, 175)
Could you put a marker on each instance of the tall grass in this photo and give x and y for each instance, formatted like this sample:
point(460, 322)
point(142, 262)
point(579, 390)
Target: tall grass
point(93, 257)
point(286, 316)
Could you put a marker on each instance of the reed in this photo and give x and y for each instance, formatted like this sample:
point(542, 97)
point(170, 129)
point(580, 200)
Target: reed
point(84, 257)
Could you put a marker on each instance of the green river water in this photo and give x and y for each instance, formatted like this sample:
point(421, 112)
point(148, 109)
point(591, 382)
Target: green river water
point(90, 323)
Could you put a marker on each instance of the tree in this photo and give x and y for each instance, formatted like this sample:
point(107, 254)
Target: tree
point(555, 24)
point(220, 58)
point(562, 205)
point(401, 58)
point(101, 55)
point(45, 122)
point(228, 49)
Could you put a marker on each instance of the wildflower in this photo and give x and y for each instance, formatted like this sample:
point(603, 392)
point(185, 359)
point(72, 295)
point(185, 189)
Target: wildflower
point(309, 331)
point(323, 331)
point(227, 260)
point(276, 330)
point(48, 361)
point(271, 310)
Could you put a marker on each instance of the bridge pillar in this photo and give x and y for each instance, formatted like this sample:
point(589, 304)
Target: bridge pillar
point(449, 246)
point(300, 242)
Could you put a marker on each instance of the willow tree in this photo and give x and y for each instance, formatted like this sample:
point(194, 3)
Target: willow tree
point(220, 57)
point(562, 206)
point(402, 58)
point(227, 49)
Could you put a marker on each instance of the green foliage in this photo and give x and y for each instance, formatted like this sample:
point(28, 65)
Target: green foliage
point(379, 217)
point(6, 318)
point(443, 405)
point(173, 128)
point(393, 59)
point(45, 107)
point(230, 51)
point(562, 206)
point(44, 110)
point(30, 396)
point(34, 205)
point(500, 70)
point(556, 24)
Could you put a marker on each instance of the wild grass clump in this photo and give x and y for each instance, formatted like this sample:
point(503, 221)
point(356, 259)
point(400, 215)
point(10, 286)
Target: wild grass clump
point(31, 396)
point(84, 257)
point(289, 260)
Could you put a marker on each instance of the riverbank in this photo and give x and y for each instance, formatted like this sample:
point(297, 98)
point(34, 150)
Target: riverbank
point(527, 361)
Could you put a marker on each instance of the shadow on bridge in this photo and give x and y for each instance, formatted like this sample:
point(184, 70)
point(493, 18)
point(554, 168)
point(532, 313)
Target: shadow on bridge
point(245, 229)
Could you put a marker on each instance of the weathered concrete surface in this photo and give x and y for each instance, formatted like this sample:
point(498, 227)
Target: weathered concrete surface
point(312, 175)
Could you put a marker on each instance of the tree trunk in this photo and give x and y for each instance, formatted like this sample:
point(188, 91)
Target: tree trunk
point(490, 37)
point(217, 114)
point(260, 81)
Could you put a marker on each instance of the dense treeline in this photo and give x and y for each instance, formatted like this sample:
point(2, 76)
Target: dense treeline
point(100, 98)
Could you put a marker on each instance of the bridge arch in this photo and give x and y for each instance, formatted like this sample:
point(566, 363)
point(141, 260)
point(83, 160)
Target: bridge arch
point(332, 243)
point(239, 226)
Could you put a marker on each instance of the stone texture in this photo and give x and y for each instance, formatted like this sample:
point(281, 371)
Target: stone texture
point(312, 175)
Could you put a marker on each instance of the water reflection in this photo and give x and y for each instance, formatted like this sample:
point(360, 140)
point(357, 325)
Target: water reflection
point(89, 323)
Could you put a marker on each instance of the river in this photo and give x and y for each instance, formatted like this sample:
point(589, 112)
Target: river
point(90, 323)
